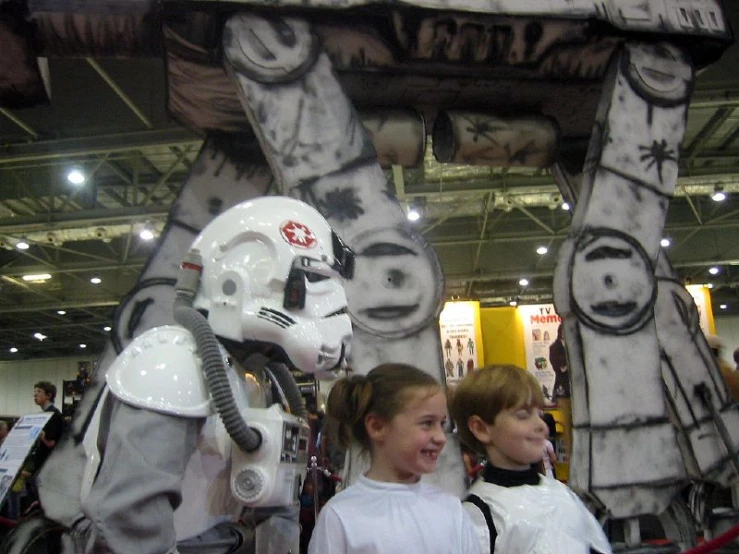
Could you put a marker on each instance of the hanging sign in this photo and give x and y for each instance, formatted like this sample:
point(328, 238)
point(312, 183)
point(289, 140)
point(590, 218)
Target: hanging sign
point(461, 339)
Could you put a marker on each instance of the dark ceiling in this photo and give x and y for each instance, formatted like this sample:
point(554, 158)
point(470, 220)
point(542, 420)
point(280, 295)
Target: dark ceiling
point(109, 117)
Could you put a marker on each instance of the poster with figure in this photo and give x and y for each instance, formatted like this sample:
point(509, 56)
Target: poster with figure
point(461, 337)
point(546, 357)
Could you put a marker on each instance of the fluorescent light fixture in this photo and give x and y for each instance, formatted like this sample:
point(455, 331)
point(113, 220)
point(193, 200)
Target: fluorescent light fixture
point(39, 336)
point(714, 270)
point(542, 250)
point(665, 242)
point(524, 282)
point(37, 277)
point(146, 234)
point(22, 245)
point(13, 350)
point(96, 280)
point(75, 176)
point(61, 312)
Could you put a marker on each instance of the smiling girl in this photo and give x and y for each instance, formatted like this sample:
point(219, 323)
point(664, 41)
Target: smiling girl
point(397, 413)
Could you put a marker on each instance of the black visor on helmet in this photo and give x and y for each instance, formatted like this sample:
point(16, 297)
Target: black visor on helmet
point(343, 256)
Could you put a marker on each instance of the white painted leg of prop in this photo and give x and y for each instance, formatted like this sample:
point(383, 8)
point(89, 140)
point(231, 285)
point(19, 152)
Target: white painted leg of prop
point(320, 153)
point(625, 449)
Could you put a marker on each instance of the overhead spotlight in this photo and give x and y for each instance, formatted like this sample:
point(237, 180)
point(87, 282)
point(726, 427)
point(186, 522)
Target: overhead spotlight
point(83, 345)
point(565, 206)
point(709, 285)
point(524, 282)
point(718, 194)
point(61, 312)
point(22, 245)
point(723, 306)
point(107, 328)
point(714, 270)
point(36, 277)
point(148, 234)
point(76, 176)
point(542, 250)
point(13, 350)
point(665, 242)
point(415, 211)
point(39, 336)
point(96, 280)
point(513, 303)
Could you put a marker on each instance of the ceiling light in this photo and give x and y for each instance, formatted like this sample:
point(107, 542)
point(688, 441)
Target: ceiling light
point(96, 280)
point(22, 245)
point(39, 336)
point(714, 270)
point(106, 328)
point(83, 345)
point(61, 312)
point(723, 306)
point(75, 176)
point(709, 285)
point(718, 194)
point(565, 206)
point(542, 250)
point(13, 350)
point(665, 242)
point(524, 282)
point(414, 212)
point(37, 277)
point(147, 234)
point(513, 303)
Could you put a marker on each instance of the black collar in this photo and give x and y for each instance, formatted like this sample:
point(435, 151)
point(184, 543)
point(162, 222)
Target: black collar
point(510, 477)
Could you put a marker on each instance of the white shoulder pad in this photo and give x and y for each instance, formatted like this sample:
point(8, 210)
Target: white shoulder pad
point(160, 371)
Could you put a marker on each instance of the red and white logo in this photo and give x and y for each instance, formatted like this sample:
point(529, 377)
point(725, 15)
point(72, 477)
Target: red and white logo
point(297, 234)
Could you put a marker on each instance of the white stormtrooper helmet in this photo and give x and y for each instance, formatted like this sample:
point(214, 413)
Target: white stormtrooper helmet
point(272, 270)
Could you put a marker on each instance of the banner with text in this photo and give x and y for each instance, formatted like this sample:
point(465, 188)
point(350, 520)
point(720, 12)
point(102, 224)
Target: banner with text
point(461, 339)
point(17, 446)
point(545, 350)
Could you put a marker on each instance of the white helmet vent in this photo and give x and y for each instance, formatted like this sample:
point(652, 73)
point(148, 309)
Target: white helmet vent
point(276, 317)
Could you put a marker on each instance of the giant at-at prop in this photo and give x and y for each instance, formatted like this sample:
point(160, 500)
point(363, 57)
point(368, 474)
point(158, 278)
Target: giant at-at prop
point(294, 79)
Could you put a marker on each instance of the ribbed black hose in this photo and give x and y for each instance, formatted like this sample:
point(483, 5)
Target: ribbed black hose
point(286, 381)
point(215, 374)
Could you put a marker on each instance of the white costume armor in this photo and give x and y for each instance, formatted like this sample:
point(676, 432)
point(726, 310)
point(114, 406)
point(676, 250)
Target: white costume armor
point(532, 514)
point(190, 416)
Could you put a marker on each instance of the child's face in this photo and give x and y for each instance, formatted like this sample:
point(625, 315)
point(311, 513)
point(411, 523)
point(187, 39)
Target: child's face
point(410, 443)
point(516, 438)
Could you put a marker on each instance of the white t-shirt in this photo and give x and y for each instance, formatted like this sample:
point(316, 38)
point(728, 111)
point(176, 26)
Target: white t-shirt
point(376, 517)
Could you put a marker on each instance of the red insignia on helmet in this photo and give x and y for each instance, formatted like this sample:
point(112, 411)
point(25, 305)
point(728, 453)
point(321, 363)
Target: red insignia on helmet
point(297, 234)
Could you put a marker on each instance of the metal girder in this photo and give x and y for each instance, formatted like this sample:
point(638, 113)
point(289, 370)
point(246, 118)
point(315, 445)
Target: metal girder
point(97, 145)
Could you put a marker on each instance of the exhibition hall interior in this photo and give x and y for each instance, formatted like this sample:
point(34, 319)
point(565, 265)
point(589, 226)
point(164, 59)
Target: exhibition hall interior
point(476, 163)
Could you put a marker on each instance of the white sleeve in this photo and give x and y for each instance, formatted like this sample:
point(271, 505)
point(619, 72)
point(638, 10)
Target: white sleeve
point(479, 526)
point(469, 541)
point(328, 535)
point(596, 535)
